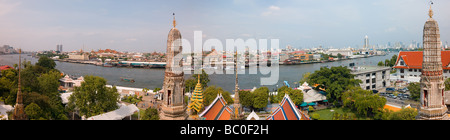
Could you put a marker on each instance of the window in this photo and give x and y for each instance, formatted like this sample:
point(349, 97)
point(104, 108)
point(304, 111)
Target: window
point(410, 70)
point(367, 81)
point(169, 97)
point(374, 80)
point(374, 86)
point(402, 63)
point(425, 98)
point(368, 88)
point(402, 76)
point(402, 70)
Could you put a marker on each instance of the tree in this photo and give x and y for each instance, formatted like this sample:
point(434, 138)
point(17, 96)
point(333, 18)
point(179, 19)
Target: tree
point(447, 84)
point(305, 78)
point(364, 102)
point(190, 84)
point(46, 62)
point(210, 93)
point(335, 81)
point(339, 55)
point(204, 79)
point(380, 63)
point(33, 111)
point(49, 83)
point(246, 98)
point(261, 97)
point(404, 114)
point(414, 89)
point(393, 60)
point(93, 97)
point(295, 95)
point(150, 114)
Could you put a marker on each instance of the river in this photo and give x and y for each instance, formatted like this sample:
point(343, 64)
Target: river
point(152, 78)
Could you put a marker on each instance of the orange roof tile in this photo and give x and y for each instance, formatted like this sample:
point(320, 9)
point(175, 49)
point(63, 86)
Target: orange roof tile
point(287, 111)
point(414, 59)
point(218, 110)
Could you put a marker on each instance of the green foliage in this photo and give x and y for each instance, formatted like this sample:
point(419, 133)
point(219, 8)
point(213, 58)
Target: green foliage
point(335, 81)
point(150, 114)
point(414, 89)
point(380, 63)
point(305, 78)
point(190, 84)
point(46, 62)
point(156, 90)
point(132, 99)
point(364, 102)
point(246, 98)
point(48, 82)
point(295, 95)
point(33, 111)
point(344, 116)
point(404, 114)
point(204, 79)
point(39, 86)
point(93, 97)
point(210, 93)
point(447, 84)
point(261, 96)
point(311, 109)
point(315, 116)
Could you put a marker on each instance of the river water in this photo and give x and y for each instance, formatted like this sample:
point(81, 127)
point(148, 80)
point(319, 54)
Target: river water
point(152, 78)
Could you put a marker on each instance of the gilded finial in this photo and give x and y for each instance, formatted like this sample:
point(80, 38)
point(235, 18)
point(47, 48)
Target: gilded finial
point(174, 21)
point(430, 12)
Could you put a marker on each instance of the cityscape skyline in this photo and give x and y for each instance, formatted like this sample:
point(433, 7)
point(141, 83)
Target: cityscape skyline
point(141, 25)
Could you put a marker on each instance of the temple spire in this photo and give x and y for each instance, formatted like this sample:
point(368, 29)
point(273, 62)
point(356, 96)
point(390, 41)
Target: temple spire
point(430, 12)
point(174, 21)
point(19, 107)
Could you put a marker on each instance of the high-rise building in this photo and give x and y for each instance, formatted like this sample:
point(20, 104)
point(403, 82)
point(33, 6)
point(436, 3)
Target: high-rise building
point(432, 80)
point(59, 47)
point(366, 42)
point(173, 107)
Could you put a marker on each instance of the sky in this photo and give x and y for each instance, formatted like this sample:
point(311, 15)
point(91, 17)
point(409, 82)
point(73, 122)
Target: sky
point(143, 25)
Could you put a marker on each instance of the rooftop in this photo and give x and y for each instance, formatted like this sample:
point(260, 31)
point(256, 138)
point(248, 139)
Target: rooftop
point(367, 69)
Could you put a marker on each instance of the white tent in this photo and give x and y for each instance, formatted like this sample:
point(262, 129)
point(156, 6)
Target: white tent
point(65, 97)
point(4, 109)
point(119, 114)
point(313, 96)
point(253, 116)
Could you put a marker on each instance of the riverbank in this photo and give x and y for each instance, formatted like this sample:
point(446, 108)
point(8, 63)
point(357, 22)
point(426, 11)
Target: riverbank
point(153, 78)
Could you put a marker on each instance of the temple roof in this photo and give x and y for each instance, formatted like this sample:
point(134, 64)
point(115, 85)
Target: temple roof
point(197, 97)
point(218, 110)
point(287, 111)
point(414, 60)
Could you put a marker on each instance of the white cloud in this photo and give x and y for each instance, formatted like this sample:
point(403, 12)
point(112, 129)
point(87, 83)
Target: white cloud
point(6, 8)
point(131, 39)
point(390, 29)
point(272, 10)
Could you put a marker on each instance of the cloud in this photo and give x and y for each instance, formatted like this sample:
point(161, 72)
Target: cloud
point(272, 10)
point(131, 39)
point(6, 8)
point(390, 29)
